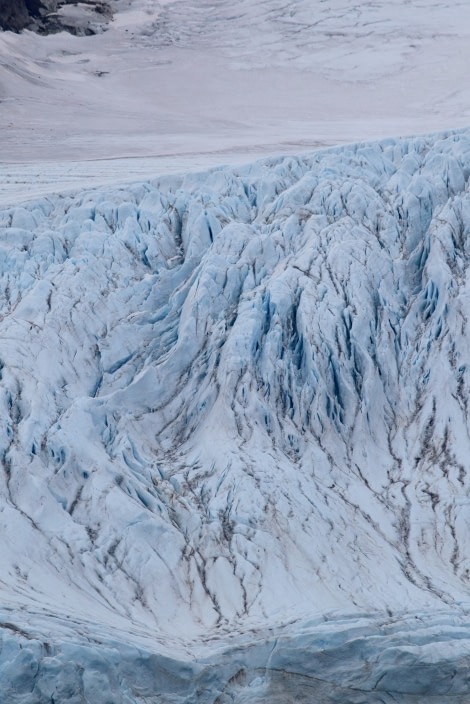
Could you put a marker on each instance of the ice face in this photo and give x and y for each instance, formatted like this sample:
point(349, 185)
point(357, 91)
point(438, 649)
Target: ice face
point(354, 660)
point(232, 401)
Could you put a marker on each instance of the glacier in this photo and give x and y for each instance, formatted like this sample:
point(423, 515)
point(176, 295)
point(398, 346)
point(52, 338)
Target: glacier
point(234, 434)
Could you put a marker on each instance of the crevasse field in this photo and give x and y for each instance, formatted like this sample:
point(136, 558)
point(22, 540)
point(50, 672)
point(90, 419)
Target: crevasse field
point(234, 433)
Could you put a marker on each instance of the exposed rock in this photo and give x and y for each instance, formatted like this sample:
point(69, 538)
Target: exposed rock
point(49, 16)
point(15, 15)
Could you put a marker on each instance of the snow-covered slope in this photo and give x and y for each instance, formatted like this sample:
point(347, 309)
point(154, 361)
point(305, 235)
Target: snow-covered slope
point(185, 79)
point(234, 434)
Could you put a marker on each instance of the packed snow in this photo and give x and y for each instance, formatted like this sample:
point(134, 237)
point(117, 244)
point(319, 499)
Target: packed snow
point(211, 80)
point(234, 433)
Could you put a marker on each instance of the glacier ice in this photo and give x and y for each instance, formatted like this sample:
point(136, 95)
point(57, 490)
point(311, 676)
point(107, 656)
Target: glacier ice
point(234, 433)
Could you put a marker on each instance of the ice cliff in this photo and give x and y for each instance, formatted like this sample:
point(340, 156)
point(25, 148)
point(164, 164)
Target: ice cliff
point(234, 434)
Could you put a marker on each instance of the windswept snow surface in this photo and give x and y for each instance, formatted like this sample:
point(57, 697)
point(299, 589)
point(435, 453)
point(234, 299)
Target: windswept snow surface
point(183, 78)
point(234, 434)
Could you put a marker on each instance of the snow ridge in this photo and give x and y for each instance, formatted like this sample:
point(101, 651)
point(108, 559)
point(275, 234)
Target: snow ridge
point(237, 400)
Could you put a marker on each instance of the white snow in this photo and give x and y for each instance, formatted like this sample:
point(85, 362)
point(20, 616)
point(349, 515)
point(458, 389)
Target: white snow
point(208, 83)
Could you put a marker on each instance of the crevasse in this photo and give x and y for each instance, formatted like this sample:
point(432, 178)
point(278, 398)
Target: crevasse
point(234, 434)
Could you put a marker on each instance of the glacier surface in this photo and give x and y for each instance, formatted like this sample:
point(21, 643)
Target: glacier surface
point(234, 434)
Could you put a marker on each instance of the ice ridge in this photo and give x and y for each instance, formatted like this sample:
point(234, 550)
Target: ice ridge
point(232, 401)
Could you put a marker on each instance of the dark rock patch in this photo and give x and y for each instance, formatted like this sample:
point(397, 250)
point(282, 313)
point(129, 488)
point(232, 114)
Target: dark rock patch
point(50, 16)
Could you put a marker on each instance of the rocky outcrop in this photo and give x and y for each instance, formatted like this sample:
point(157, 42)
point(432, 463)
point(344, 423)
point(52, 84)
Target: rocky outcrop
point(49, 16)
point(16, 15)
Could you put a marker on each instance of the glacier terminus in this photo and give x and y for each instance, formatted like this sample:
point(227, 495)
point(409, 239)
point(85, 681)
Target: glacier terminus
point(234, 434)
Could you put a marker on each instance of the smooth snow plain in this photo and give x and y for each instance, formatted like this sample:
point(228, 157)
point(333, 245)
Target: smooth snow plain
point(190, 85)
point(234, 429)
